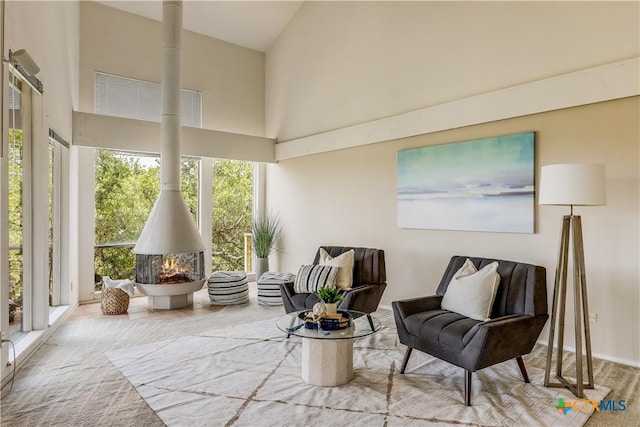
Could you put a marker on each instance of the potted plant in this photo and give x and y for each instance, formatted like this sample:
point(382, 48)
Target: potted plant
point(330, 296)
point(266, 233)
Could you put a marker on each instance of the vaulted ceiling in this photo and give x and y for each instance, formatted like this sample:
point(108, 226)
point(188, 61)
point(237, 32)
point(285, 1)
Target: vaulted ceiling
point(252, 24)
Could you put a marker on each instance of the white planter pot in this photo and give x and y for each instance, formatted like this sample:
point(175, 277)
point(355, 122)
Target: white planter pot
point(332, 307)
point(262, 266)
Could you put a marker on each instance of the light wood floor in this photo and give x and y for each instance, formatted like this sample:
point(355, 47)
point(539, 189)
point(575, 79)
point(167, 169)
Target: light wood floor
point(70, 382)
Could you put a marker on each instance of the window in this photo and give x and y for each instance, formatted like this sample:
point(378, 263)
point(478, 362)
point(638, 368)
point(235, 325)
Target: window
point(137, 99)
point(56, 145)
point(26, 175)
point(127, 184)
point(18, 193)
point(126, 187)
point(231, 214)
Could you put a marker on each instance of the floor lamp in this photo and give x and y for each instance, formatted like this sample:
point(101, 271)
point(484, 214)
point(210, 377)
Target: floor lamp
point(575, 184)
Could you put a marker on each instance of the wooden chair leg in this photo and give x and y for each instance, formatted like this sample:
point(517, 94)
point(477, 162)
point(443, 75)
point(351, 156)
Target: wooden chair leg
point(523, 370)
point(406, 359)
point(467, 387)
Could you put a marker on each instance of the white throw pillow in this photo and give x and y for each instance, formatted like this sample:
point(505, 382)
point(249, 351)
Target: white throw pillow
point(345, 262)
point(471, 292)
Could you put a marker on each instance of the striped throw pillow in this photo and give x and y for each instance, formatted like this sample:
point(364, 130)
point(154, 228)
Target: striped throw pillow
point(310, 278)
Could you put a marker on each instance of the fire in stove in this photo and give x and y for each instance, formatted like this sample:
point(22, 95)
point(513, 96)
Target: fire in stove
point(169, 269)
point(172, 272)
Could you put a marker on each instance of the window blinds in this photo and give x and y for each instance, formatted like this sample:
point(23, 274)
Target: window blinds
point(137, 99)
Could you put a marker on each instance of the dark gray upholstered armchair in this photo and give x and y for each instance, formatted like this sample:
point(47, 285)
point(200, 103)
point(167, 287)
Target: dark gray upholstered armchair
point(518, 315)
point(369, 282)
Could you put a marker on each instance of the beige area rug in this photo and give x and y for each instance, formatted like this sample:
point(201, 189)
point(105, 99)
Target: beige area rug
point(249, 375)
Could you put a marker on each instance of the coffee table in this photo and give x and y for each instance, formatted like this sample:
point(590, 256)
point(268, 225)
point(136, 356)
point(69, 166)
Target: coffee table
point(327, 356)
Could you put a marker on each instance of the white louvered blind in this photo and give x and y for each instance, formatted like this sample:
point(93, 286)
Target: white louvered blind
point(137, 99)
point(13, 99)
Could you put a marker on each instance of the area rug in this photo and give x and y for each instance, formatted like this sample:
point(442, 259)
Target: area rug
point(249, 375)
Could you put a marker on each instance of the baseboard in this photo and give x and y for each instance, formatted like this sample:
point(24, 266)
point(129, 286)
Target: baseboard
point(384, 307)
point(627, 362)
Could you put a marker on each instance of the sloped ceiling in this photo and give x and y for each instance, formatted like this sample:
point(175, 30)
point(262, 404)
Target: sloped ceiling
point(251, 24)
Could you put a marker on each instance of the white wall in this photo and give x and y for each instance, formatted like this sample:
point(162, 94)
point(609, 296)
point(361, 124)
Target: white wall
point(82, 165)
point(338, 64)
point(49, 32)
point(348, 197)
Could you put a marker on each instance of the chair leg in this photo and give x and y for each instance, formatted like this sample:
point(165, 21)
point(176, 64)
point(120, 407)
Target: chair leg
point(467, 387)
point(523, 370)
point(370, 322)
point(406, 359)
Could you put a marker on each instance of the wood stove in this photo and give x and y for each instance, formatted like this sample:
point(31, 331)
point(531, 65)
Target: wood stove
point(169, 269)
point(169, 280)
point(170, 251)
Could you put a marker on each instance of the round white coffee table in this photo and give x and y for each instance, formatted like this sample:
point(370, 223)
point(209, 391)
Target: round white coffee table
point(327, 356)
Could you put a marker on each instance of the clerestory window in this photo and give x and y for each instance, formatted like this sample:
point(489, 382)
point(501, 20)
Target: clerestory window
point(138, 99)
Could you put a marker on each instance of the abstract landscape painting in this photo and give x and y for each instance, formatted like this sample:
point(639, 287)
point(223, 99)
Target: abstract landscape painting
point(480, 185)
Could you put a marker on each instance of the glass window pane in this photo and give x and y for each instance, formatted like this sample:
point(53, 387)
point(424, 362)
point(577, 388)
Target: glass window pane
point(126, 188)
point(51, 225)
point(16, 224)
point(232, 212)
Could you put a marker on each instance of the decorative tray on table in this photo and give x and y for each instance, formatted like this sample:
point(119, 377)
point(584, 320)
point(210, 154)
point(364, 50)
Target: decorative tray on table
point(328, 322)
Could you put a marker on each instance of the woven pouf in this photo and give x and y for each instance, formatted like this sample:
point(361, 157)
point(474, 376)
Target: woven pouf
point(114, 301)
point(228, 287)
point(269, 287)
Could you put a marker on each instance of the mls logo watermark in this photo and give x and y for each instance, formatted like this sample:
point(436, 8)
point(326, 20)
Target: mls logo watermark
point(587, 405)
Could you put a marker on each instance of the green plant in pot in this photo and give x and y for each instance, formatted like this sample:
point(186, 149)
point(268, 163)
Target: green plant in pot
point(266, 233)
point(330, 296)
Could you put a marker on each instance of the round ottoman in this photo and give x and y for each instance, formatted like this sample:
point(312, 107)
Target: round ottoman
point(228, 287)
point(269, 287)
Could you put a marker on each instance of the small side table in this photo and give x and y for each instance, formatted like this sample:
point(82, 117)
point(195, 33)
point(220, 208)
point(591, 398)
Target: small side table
point(327, 356)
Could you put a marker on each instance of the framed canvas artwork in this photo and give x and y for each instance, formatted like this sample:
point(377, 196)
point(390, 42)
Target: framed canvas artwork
point(479, 185)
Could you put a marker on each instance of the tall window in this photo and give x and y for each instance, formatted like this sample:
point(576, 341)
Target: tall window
point(51, 220)
point(137, 99)
point(127, 185)
point(17, 190)
point(25, 225)
point(56, 145)
point(231, 213)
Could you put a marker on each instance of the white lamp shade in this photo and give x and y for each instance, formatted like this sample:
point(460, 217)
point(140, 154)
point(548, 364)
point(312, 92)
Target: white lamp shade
point(573, 184)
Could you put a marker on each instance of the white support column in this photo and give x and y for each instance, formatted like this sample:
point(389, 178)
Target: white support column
point(259, 198)
point(39, 215)
point(4, 231)
point(205, 209)
point(82, 235)
point(27, 209)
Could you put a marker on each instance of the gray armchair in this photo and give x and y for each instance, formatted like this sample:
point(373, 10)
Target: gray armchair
point(369, 282)
point(518, 315)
